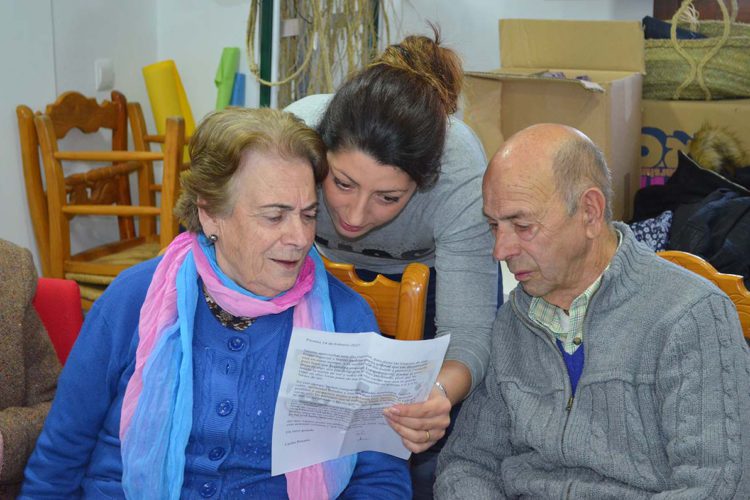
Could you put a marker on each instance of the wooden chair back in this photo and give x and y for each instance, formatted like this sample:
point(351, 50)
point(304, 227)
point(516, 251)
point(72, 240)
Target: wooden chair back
point(399, 306)
point(731, 284)
point(74, 110)
point(36, 196)
point(94, 192)
point(71, 110)
point(143, 141)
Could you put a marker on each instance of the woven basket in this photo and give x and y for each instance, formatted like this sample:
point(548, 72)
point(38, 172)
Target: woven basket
point(717, 67)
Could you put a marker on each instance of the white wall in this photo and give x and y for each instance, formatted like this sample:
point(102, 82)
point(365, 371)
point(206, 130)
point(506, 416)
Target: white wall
point(193, 33)
point(122, 31)
point(27, 62)
point(85, 31)
point(49, 46)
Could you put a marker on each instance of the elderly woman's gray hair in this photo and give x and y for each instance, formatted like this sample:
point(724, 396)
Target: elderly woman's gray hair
point(216, 150)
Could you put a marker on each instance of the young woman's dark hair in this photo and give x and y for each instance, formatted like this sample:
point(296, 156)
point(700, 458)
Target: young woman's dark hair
point(396, 109)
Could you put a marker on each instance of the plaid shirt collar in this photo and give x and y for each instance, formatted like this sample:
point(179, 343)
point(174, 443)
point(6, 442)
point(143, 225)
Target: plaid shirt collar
point(567, 328)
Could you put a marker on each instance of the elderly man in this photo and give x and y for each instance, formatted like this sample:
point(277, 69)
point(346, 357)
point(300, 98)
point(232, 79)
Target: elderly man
point(614, 374)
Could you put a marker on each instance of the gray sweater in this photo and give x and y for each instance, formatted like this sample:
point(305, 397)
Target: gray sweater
point(442, 227)
point(662, 409)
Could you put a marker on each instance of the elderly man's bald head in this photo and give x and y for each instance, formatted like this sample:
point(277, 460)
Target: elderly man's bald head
point(546, 198)
point(562, 155)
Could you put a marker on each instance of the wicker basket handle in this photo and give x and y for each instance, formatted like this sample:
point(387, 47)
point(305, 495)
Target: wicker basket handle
point(696, 70)
point(250, 44)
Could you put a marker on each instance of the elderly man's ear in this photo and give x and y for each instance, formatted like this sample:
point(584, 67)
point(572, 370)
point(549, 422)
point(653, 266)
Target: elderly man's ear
point(592, 207)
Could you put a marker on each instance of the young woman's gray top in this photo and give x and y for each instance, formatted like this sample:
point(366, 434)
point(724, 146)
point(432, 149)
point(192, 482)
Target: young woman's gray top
point(442, 227)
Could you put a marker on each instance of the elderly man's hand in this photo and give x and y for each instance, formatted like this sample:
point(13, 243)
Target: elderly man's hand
point(421, 425)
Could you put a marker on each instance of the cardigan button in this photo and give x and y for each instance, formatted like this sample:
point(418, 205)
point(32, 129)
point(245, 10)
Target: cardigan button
point(208, 489)
point(577, 341)
point(224, 408)
point(236, 344)
point(216, 453)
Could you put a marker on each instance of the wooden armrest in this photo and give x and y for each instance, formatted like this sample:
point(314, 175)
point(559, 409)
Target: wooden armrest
point(731, 284)
point(101, 173)
point(154, 138)
point(110, 156)
point(121, 210)
point(159, 139)
point(348, 274)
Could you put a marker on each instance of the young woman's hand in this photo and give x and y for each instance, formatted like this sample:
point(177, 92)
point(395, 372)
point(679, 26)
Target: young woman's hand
point(421, 425)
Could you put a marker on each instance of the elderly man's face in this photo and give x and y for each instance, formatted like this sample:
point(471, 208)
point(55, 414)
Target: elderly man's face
point(264, 240)
point(543, 247)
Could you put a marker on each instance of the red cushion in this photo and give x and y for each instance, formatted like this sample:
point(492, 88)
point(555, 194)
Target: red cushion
point(58, 303)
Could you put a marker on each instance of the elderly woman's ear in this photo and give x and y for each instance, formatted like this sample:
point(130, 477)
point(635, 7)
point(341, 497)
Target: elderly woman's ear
point(209, 223)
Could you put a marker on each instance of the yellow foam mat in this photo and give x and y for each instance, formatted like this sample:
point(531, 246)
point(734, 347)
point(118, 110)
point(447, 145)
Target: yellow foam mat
point(167, 95)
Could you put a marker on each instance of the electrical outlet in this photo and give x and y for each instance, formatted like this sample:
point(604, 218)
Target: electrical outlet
point(104, 72)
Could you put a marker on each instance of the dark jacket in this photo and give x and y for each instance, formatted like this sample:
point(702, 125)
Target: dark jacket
point(689, 184)
point(718, 229)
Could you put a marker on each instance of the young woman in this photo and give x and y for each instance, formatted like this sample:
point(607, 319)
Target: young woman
point(405, 185)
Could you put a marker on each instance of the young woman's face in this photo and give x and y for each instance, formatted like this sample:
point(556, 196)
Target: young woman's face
point(362, 194)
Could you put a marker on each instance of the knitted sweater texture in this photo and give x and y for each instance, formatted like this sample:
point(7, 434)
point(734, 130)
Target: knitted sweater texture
point(662, 408)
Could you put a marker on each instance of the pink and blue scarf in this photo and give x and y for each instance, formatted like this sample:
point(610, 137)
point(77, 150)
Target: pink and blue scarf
point(157, 407)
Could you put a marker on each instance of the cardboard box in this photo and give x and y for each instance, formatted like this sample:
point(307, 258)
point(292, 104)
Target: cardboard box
point(669, 126)
point(607, 108)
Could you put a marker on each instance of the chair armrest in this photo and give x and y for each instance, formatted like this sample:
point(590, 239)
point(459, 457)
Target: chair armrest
point(110, 156)
point(102, 173)
point(120, 210)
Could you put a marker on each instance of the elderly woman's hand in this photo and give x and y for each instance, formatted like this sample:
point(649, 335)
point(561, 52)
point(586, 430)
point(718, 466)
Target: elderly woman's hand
point(421, 425)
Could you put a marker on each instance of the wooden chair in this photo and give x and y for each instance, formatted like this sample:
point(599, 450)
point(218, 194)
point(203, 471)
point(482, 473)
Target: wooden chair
point(36, 195)
point(32, 176)
point(399, 307)
point(94, 192)
point(143, 141)
point(731, 284)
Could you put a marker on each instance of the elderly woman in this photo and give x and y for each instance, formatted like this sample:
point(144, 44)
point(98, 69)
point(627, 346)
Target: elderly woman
point(171, 388)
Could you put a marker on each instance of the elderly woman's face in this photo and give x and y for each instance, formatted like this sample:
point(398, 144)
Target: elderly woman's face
point(263, 242)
